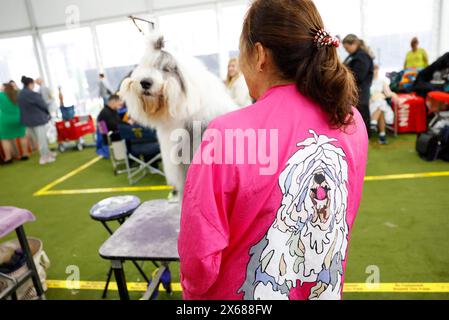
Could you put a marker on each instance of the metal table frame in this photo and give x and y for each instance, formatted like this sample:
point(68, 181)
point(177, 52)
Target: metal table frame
point(120, 278)
point(31, 273)
point(111, 269)
point(146, 220)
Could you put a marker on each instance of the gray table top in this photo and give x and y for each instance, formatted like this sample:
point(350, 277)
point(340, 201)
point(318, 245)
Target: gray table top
point(151, 233)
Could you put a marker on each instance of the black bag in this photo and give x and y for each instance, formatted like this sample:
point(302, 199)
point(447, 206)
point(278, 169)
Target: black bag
point(395, 79)
point(428, 146)
point(423, 85)
point(432, 146)
point(444, 144)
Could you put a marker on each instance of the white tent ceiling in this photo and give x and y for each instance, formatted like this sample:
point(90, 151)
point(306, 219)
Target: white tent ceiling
point(17, 16)
point(35, 17)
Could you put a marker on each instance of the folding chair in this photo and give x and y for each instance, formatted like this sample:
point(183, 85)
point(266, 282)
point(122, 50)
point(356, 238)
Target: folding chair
point(136, 153)
point(142, 149)
point(117, 150)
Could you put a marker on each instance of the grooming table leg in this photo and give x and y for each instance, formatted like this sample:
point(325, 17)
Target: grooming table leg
point(117, 266)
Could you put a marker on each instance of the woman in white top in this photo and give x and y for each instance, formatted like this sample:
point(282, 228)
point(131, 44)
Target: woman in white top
point(381, 112)
point(235, 82)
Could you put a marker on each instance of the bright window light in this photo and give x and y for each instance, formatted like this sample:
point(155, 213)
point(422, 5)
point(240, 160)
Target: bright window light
point(193, 33)
point(390, 26)
point(121, 44)
point(341, 17)
point(72, 66)
point(233, 17)
point(17, 58)
point(386, 17)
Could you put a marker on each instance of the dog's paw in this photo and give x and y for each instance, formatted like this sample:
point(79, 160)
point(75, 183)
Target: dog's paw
point(317, 290)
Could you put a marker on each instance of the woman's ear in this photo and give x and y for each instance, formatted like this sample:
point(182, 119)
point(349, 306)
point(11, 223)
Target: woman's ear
point(261, 57)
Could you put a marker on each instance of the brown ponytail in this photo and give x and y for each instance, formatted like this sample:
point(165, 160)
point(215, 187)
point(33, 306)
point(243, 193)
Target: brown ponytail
point(287, 28)
point(10, 92)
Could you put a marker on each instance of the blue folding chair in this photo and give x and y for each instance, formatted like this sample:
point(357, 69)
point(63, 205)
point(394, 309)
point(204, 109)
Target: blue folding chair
point(142, 149)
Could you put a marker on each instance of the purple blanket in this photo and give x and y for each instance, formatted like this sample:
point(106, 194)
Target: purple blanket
point(12, 218)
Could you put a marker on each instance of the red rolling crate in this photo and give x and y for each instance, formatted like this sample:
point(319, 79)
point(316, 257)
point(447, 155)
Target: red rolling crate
point(410, 114)
point(437, 101)
point(74, 130)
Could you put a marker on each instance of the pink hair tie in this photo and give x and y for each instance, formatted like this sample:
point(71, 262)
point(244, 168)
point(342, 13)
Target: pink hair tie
point(324, 39)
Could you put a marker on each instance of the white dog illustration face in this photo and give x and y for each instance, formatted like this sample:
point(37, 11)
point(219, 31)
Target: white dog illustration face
point(307, 242)
point(157, 88)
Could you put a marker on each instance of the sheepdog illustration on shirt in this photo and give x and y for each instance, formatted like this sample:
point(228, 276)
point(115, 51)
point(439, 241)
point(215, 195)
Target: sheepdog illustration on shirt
point(308, 240)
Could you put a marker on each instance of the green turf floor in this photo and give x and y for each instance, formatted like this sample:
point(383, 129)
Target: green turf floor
point(402, 227)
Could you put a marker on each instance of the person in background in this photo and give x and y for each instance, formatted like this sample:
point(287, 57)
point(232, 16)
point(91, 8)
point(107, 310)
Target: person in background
point(367, 49)
point(110, 116)
point(60, 97)
point(381, 112)
point(47, 95)
point(235, 82)
point(14, 85)
point(10, 125)
point(104, 89)
point(35, 115)
point(417, 57)
point(360, 62)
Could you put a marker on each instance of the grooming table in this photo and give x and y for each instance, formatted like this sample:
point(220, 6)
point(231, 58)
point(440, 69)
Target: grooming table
point(13, 219)
point(150, 234)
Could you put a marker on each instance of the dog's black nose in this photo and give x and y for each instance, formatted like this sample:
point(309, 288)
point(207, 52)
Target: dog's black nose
point(146, 84)
point(319, 178)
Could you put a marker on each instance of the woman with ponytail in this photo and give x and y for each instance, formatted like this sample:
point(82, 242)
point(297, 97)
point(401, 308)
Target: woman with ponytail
point(35, 115)
point(273, 219)
point(360, 62)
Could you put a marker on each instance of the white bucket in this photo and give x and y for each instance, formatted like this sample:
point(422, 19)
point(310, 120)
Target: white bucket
point(27, 290)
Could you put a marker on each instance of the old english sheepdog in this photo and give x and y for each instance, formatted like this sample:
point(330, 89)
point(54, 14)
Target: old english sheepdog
point(168, 91)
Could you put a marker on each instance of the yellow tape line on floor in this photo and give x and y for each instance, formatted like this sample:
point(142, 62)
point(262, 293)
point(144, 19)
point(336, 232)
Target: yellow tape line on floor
point(412, 287)
point(99, 285)
point(46, 191)
point(106, 190)
point(72, 173)
point(408, 176)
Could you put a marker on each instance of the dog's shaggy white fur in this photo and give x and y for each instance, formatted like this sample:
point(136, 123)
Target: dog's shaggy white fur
point(168, 91)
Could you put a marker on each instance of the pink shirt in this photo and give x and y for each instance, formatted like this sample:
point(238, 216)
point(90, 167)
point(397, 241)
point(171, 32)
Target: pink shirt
point(271, 220)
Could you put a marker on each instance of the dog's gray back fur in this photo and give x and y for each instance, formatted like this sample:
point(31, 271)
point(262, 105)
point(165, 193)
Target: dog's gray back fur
point(193, 148)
